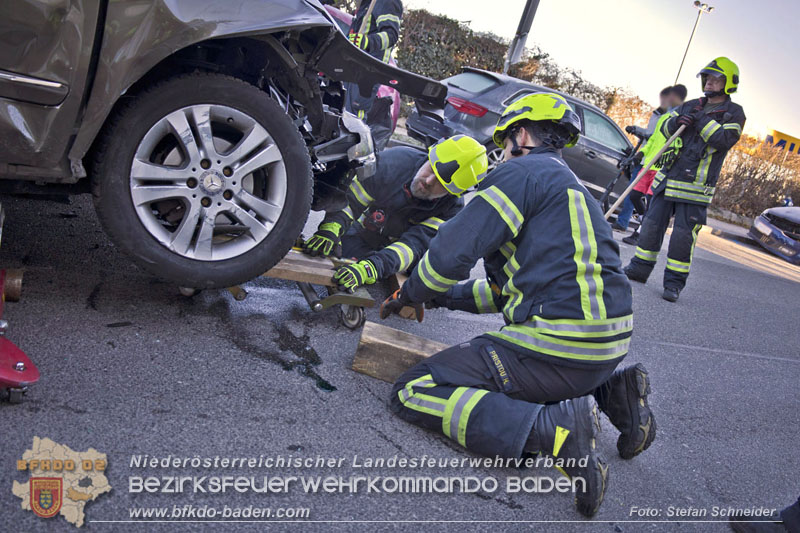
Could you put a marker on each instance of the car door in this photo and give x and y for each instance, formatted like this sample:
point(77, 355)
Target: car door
point(601, 146)
point(45, 53)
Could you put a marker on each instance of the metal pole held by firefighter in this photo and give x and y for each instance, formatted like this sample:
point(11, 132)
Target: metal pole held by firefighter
point(642, 172)
point(365, 22)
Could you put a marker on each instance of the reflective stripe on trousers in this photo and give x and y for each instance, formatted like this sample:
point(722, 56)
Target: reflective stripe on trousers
point(454, 411)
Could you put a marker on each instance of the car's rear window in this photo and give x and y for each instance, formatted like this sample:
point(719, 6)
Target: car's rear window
point(473, 82)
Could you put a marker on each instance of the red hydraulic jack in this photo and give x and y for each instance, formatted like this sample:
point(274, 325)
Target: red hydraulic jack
point(17, 372)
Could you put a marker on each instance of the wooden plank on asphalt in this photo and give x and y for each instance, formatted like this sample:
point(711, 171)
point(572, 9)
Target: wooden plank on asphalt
point(385, 353)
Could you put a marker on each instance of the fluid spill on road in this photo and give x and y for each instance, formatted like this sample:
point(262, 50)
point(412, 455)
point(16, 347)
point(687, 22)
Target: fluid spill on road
point(307, 356)
point(290, 352)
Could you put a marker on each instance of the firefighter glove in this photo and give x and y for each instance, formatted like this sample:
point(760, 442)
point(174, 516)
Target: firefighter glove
point(326, 241)
point(360, 40)
point(686, 120)
point(396, 302)
point(353, 276)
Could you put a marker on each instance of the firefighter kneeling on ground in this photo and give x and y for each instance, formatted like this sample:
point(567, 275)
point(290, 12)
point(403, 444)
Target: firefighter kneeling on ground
point(685, 186)
point(553, 269)
point(391, 217)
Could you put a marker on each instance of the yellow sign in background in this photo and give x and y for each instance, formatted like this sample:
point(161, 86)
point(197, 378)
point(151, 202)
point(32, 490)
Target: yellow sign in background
point(783, 141)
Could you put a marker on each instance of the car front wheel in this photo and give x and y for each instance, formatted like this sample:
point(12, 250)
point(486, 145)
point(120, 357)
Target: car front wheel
point(203, 180)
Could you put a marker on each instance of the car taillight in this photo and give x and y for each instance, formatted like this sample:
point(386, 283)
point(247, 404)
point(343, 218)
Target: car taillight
point(465, 106)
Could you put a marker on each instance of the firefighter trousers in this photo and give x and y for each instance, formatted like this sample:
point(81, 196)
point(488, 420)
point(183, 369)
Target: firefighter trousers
point(689, 219)
point(486, 396)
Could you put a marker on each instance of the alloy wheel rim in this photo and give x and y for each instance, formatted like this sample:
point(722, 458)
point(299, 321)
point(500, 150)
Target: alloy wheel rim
point(208, 182)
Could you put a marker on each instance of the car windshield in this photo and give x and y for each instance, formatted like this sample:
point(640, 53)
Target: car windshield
point(473, 82)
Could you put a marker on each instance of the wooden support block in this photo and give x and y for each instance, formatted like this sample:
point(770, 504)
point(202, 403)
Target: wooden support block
point(395, 282)
point(385, 353)
point(297, 266)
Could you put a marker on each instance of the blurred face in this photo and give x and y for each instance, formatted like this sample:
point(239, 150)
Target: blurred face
point(674, 100)
point(714, 83)
point(426, 185)
point(665, 101)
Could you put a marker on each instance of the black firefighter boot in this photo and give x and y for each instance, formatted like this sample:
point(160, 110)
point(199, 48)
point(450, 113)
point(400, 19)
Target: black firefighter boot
point(637, 272)
point(624, 399)
point(567, 431)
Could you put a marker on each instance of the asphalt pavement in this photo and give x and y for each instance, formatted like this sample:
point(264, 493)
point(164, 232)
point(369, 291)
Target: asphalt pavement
point(131, 367)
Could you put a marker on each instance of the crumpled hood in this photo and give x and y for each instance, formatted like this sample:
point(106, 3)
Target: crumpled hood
point(791, 214)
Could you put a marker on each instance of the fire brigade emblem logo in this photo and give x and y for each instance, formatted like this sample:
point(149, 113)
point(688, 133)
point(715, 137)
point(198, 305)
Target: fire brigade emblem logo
point(46, 495)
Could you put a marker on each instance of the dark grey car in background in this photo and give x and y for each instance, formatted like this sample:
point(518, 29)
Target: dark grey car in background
point(476, 99)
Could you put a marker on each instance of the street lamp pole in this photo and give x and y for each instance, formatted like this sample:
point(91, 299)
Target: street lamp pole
point(701, 8)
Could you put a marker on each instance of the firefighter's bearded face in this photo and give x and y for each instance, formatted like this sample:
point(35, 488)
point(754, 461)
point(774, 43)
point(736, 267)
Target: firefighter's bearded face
point(425, 185)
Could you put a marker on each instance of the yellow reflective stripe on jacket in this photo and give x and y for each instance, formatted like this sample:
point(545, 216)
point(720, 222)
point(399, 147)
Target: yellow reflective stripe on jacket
point(530, 339)
point(680, 195)
point(585, 329)
point(510, 291)
point(404, 252)
point(349, 212)
point(484, 296)
point(384, 39)
point(659, 177)
point(691, 187)
point(432, 222)
point(504, 207)
point(689, 191)
point(388, 18)
point(709, 129)
point(589, 270)
point(432, 279)
point(733, 126)
point(360, 193)
point(508, 249)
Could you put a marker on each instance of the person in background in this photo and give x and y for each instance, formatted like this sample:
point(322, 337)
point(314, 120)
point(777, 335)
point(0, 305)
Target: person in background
point(380, 36)
point(642, 191)
point(685, 185)
point(625, 214)
point(669, 99)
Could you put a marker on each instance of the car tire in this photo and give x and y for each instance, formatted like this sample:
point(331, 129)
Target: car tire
point(266, 209)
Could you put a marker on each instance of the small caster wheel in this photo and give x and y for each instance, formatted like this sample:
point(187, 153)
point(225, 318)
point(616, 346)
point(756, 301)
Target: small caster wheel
point(353, 317)
point(15, 395)
point(238, 293)
point(188, 291)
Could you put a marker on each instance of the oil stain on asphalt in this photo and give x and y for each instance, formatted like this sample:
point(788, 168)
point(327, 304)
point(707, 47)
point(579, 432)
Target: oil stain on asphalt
point(243, 323)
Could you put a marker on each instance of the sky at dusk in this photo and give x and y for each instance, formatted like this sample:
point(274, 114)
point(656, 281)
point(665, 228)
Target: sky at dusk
point(638, 44)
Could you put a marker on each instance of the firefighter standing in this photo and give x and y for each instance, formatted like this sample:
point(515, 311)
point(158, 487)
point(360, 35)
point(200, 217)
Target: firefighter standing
point(380, 36)
point(391, 217)
point(685, 186)
point(553, 269)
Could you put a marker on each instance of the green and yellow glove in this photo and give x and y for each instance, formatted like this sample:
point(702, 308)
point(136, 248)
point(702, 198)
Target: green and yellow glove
point(359, 39)
point(353, 276)
point(326, 241)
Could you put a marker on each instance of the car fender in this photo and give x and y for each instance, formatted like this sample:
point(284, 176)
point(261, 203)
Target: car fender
point(140, 34)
